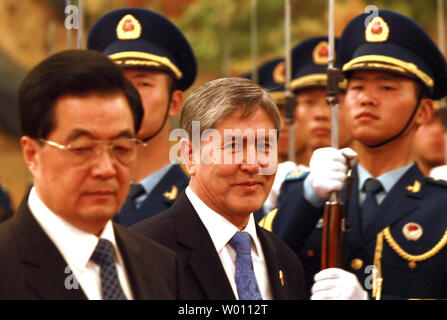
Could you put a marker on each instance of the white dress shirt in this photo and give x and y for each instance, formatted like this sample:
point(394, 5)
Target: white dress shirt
point(76, 247)
point(221, 231)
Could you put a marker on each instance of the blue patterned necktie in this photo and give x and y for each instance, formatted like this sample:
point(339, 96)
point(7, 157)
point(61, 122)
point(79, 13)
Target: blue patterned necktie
point(104, 256)
point(369, 206)
point(247, 286)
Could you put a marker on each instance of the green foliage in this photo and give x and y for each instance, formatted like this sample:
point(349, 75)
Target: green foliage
point(206, 23)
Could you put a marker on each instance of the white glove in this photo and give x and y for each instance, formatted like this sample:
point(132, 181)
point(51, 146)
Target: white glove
point(337, 284)
point(283, 169)
point(439, 172)
point(328, 170)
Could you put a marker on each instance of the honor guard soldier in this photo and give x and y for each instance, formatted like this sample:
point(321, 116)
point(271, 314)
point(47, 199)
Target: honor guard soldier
point(397, 226)
point(309, 80)
point(271, 76)
point(157, 58)
point(429, 145)
point(312, 114)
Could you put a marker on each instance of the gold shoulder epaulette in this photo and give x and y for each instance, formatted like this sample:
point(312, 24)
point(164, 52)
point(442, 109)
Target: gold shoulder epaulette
point(296, 175)
point(439, 182)
point(267, 221)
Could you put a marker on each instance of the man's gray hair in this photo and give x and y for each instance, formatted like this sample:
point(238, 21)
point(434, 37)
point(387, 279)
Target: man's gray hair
point(214, 101)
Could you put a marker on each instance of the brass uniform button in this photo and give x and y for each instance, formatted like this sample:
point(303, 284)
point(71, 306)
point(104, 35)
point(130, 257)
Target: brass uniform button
point(356, 264)
point(412, 264)
point(310, 253)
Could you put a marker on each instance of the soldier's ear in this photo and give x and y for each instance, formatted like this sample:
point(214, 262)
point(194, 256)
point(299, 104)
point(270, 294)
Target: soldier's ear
point(425, 112)
point(176, 103)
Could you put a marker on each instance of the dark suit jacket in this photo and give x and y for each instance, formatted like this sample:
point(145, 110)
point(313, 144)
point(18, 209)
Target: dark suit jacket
point(180, 229)
point(33, 268)
point(159, 199)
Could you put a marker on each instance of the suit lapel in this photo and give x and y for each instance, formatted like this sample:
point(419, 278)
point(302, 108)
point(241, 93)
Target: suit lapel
point(137, 265)
point(48, 275)
point(204, 260)
point(399, 202)
point(274, 267)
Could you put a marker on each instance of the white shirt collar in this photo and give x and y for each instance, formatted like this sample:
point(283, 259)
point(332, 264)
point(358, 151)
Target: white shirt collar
point(219, 228)
point(75, 245)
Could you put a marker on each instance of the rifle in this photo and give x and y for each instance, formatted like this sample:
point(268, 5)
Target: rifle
point(334, 217)
point(290, 102)
point(335, 227)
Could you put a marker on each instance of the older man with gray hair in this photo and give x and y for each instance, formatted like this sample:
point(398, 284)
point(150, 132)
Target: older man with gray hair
point(232, 161)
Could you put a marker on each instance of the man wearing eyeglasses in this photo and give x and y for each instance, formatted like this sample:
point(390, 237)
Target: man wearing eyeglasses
point(79, 115)
point(158, 59)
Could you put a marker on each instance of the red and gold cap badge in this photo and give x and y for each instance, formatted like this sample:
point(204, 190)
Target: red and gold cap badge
point(377, 30)
point(128, 28)
point(320, 54)
point(279, 73)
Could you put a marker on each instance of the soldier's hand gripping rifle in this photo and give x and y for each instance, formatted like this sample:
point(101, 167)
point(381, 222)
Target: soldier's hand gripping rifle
point(334, 217)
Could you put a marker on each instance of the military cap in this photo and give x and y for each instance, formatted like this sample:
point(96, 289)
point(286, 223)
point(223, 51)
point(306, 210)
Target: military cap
point(395, 43)
point(310, 60)
point(271, 77)
point(140, 38)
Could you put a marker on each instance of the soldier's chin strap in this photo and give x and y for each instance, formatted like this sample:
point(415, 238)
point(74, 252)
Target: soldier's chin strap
point(404, 128)
point(163, 123)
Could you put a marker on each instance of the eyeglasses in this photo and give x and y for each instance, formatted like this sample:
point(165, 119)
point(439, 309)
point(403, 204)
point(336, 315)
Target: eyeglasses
point(82, 151)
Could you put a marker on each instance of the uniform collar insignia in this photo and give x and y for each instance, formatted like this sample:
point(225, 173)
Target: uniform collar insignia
point(129, 28)
point(415, 188)
point(171, 195)
point(377, 30)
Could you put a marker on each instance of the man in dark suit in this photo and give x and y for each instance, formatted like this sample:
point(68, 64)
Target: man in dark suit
point(157, 58)
point(211, 225)
point(79, 115)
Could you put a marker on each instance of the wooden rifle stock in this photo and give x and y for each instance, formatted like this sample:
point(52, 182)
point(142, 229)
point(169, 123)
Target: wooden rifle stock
point(335, 227)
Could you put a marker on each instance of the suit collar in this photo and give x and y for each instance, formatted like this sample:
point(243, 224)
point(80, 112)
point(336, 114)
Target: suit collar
point(219, 228)
point(48, 275)
point(137, 263)
point(215, 284)
point(275, 269)
point(191, 232)
point(75, 245)
point(388, 179)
